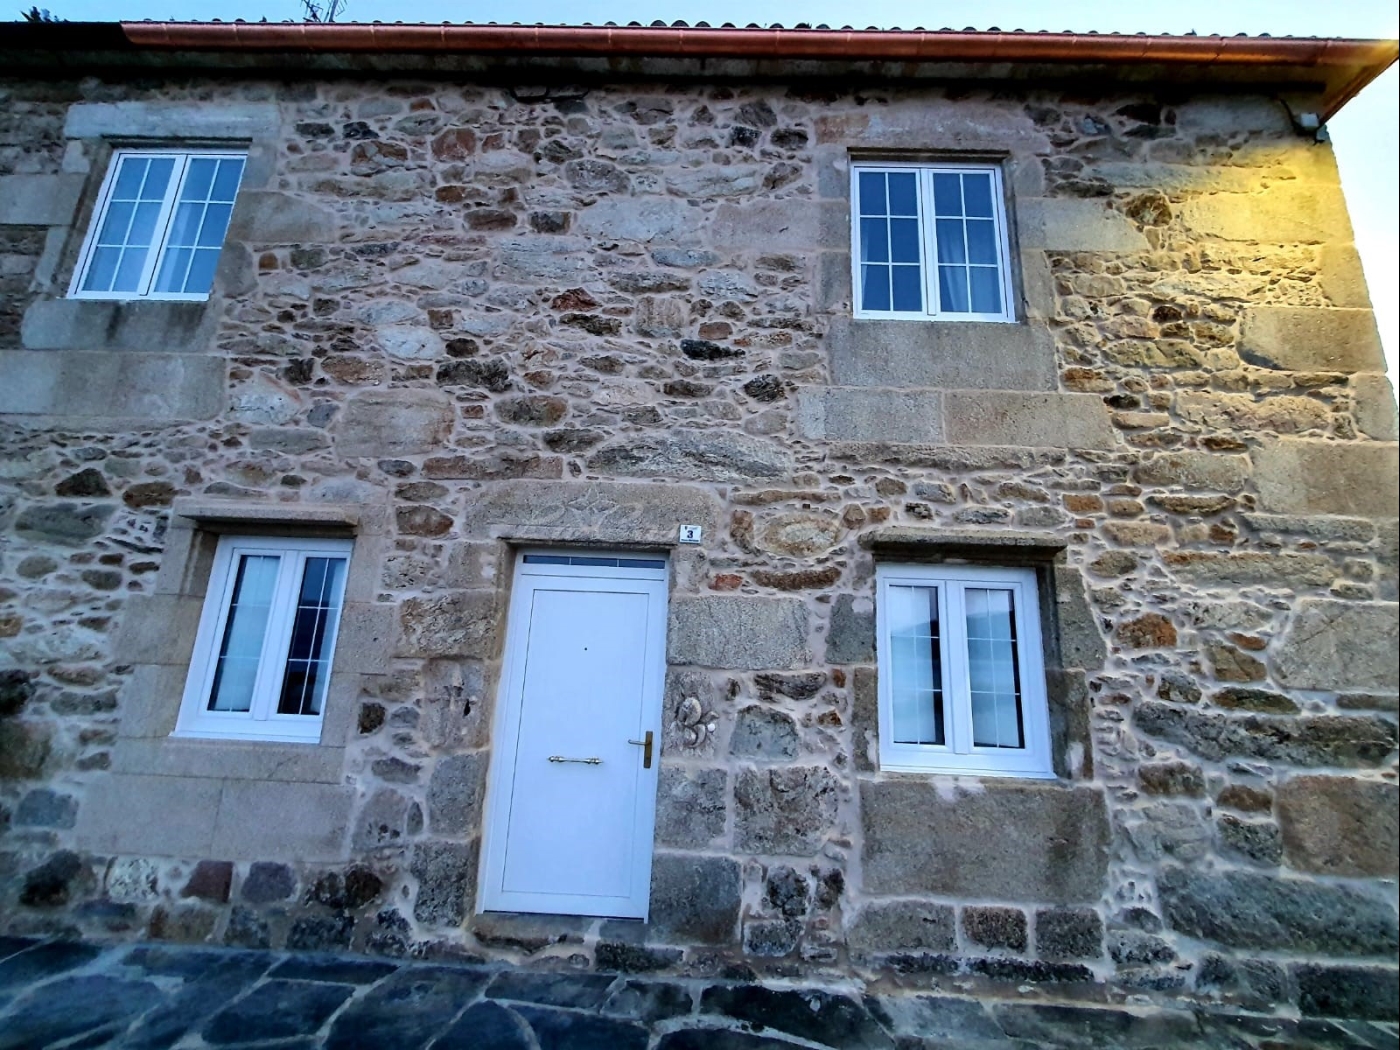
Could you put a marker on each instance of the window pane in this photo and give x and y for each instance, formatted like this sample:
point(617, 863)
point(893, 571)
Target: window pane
point(915, 665)
point(102, 269)
point(198, 179)
point(952, 289)
point(157, 178)
point(201, 275)
point(950, 241)
point(947, 194)
point(903, 194)
point(992, 668)
point(129, 178)
point(143, 224)
point(173, 267)
point(874, 240)
point(244, 631)
point(977, 194)
point(226, 181)
point(307, 673)
point(128, 277)
point(872, 193)
point(904, 240)
point(875, 287)
point(211, 233)
point(908, 289)
point(986, 290)
point(117, 223)
point(185, 225)
point(981, 242)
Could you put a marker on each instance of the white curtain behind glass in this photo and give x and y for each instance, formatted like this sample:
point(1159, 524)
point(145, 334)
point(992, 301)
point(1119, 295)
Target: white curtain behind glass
point(237, 670)
point(917, 688)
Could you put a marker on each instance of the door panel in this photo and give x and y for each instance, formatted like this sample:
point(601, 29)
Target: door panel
point(571, 817)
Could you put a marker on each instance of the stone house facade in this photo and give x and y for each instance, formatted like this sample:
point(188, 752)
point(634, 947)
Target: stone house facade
point(485, 296)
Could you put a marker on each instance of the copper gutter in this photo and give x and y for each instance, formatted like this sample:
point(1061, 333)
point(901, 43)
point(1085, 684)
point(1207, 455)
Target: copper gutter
point(755, 44)
point(1344, 66)
point(701, 42)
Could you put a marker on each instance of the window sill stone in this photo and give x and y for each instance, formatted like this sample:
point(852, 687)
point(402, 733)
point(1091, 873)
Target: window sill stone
point(264, 760)
point(176, 327)
point(949, 355)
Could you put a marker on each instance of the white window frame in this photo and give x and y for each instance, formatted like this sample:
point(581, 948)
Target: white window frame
point(156, 255)
point(262, 722)
point(928, 246)
point(959, 755)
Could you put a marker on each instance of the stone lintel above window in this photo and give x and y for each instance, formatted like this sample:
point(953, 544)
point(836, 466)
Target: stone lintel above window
point(222, 515)
point(938, 544)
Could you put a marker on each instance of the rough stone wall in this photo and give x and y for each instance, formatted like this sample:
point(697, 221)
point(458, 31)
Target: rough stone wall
point(477, 316)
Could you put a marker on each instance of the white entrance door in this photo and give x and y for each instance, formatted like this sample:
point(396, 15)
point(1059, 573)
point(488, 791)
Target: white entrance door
point(578, 737)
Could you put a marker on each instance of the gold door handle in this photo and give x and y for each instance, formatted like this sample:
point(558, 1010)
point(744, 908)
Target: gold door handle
point(645, 745)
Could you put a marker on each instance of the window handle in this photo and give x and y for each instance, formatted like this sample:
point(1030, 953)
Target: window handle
point(645, 745)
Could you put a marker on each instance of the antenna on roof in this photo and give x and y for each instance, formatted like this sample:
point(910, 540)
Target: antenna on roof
point(324, 11)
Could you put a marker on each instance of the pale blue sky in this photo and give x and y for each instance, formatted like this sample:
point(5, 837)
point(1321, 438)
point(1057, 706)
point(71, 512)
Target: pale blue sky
point(1365, 133)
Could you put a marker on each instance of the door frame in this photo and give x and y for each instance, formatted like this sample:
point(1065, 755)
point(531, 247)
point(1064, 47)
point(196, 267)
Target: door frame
point(509, 694)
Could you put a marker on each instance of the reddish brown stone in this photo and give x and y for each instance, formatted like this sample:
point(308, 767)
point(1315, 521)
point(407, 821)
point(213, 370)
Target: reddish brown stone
point(422, 521)
point(741, 529)
point(1245, 799)
point(1231, 665)
point(1240, 699)
point(726, 581)
point(375, 155)
point(490, 219)
point(803, 579)
point(210, 881)
point(1148, 631)
point(149, 494)
point(573, 299)
point(352, 369)
point(454, 144)
point(1077, 503)
point(1172, 778)
point(1248, 641)
point(1086, 381)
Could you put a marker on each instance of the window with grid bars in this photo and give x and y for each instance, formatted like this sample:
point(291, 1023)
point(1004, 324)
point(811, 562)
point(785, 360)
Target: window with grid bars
point(961, 676)
point(930, 242)
point(159, 226)
point(262, 658)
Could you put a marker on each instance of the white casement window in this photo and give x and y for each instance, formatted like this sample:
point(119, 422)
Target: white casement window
point(159, 226)
point(930, 242)
point(262, 658)
point(961, 677)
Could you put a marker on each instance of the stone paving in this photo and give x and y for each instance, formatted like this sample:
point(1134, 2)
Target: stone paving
point(77, 995)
